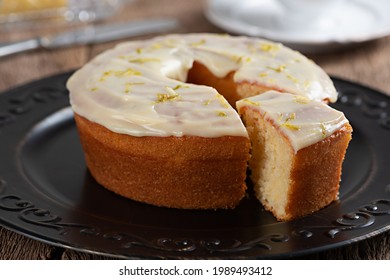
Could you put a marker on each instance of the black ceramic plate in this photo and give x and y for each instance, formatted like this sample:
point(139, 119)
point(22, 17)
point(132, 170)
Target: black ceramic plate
point(46, 192)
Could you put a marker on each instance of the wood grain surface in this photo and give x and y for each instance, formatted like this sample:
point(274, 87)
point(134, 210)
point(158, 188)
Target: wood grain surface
point(368, 64)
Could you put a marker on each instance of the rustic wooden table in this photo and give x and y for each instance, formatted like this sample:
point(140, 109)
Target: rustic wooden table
point(367, 64)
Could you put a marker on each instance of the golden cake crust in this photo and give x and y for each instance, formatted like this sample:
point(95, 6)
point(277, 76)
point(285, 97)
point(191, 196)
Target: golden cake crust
point(316, 174)
point(179, 172)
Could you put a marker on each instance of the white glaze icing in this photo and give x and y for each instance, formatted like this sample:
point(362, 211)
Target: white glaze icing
point(302, 120)
point(138, 88)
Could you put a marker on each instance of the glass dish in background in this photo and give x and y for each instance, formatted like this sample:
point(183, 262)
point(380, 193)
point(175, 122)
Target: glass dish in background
point(36, 12)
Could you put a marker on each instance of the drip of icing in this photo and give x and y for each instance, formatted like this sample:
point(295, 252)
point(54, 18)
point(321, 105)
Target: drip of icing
point(138, 88)
point(302, 120)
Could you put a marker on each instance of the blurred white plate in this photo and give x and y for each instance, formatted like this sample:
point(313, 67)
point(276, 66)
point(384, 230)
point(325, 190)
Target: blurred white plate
point(353, 21)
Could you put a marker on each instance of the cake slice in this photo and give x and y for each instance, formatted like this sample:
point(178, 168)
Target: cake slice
point(298, 146)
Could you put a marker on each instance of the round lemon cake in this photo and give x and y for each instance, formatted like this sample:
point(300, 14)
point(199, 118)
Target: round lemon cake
point(158, 124)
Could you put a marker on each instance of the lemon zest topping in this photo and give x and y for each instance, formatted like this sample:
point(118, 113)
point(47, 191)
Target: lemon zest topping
point(128, 72)
point(119, 73)
point(323, 130)
point(164, 97)
point(252, 102)
point(129, 85)
point(237, 58)
point(157, 46)
point(287, 123)
point(170, 90)
point(301, 99)
point(291, 126)
point(172, 95)
point(207, 102)
point(222, 101)
point(199, 43)
point(221, 114)
point(179, 86)
point(144, 60)
point(267, 47)
point(263, 74)
point(278, 69)
point(290, 117)
point(292, 78)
